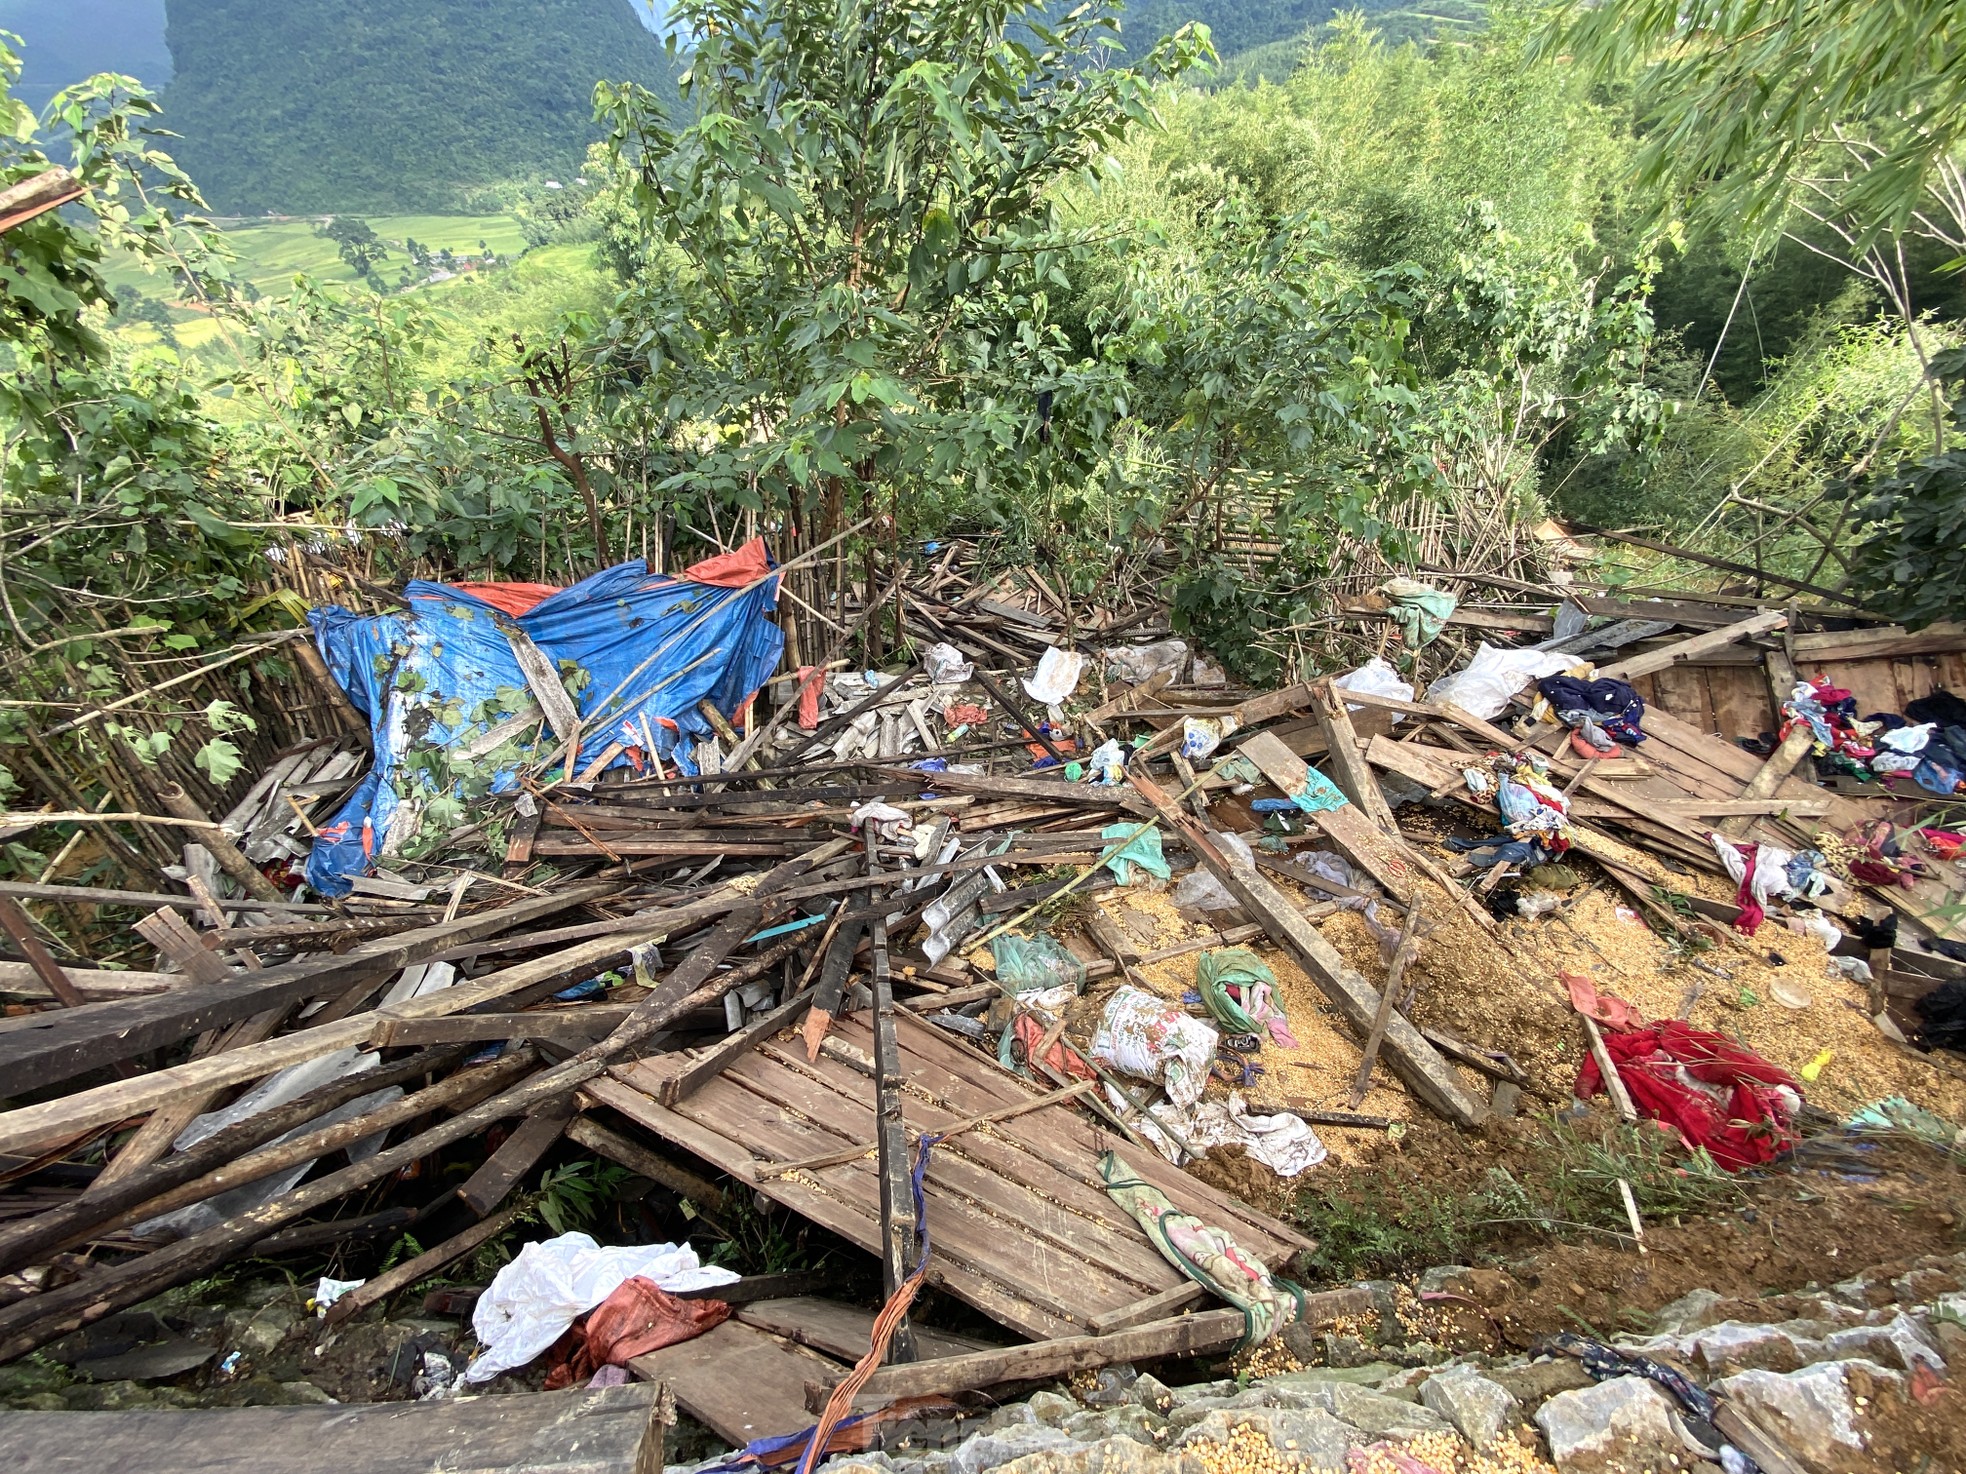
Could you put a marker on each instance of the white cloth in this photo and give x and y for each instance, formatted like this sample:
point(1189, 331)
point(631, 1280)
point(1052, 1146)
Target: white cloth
point(1136, 663)
point(1771, 879)
point(1284, 1143)
point(1494, 676)
point(552, 1283)
point(1057, 676)
point(1911, 739)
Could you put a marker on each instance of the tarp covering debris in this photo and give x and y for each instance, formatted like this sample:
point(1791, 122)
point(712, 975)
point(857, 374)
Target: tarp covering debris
point(454, 713)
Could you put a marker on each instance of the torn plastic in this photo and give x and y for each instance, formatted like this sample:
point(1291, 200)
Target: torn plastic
point(1137, 663)
point(1487, 684)
point(1200, 889)
point(1025, 964)
point(1375, 678)
point(946, 666)
point(551, 1283)
point(1057, 676)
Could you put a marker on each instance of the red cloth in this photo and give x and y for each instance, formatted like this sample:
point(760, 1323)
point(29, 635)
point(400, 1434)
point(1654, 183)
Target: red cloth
point(1607, 1008)
point(639, 1317)
point(1752, 914)
point(811, 681)
point(732, 570)
point(1060, 1058)
point(514, 598)
point(965, 714)
point(1741, 1120)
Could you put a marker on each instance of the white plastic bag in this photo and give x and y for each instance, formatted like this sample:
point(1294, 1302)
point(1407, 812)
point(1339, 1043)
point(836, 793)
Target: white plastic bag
point(1200, 889)
point(1143, 1036)
point(1493, 677)
point(535, 1298)
point(1136, 663)
point(1057, 676)
point(1375, 678)
point(946, 666)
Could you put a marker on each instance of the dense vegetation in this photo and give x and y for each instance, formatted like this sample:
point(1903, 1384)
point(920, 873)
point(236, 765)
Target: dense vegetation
point(68, 40)
point(382, 106)
point(892, 270)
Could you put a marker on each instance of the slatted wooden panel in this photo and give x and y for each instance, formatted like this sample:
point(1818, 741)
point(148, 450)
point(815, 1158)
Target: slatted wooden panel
point(1021, 1225)
point(1733, 701)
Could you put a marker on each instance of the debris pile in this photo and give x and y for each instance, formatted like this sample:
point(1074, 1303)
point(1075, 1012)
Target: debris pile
point(962, 961)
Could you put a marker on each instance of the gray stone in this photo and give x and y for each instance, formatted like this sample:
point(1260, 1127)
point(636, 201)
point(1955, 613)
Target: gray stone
point(1109, 1456)
point(1479, 1409)
point(1532, 1382)
point(988, 1449)
point(1444, 1279)
point(1854, 1291)
point(1815, 1410)
point(1385, 1301)
point(1053, 1408)
point(1112, 1385)
point(1377, 1414)
point(261, 1331)
point(1185, 1415)
point(1623, 1423)
point(1736, 1346)
point(1094, 1425)
point(1900, 1342)
point(1371, 1374)
point(1010, 1415)
point(1196, 1390)
point(39, 1402)
point(1950, 1307)
point(1693, 1311)
point(1418, 1354)
point(1151, 1393)
point(1346, 1351)
point(1309, 1435)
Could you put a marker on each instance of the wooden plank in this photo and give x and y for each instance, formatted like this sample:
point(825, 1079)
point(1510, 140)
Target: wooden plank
point(1365, 845)
point(575, 1025)
point(843, 1331)
point(1698, 645)
point(740, 1382)
point(20, 980)
point(1348, 770)
point(49, 1048)
point(410, 1271)
point(700, 1191)
point(1891, 642)
point(707, 1064)
point(1418, 1064)
point(1780, 764)
point(16, 924)
point(517, 1155)
point(581, 1431)
point(1153, 1308)
point(173, 936)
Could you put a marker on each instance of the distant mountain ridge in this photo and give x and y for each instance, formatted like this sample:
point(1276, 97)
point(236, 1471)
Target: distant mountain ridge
point(63, 41)
point(378, 106)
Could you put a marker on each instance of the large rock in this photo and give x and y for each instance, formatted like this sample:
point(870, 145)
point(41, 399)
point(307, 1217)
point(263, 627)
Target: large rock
point(1532, 1382)
point(1737, 1346)
point(1152, 1394)
point(1622, 1424)
point(1108, 1456)
point(1097, 1424)
point(988, 1449)
point(1052, 1407)
point(1693, 1311)
point(1481, 1410)
point(1374, 1412)
point(1307, 1435)
point(1185, 1415)
point(1815, 1410)
point(1900, 1341)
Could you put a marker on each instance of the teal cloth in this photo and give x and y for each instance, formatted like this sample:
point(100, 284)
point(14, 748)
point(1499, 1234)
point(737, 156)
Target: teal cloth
point(1418, 610)
point(1220, 969)
point(1143, 850)
point(1319, 794)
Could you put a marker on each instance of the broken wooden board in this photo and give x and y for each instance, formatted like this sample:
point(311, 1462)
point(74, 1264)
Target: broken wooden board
point(741, 1382)
point(1417, 1063)
point(1019, 1218)
point(843, 1331)
point(1692, 649)
point(584, 1431)
point(1364, 843)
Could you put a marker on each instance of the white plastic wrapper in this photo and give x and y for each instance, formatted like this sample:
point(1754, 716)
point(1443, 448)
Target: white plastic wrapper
point(1057, 676)
point(1493, 677)
point(553, 1283)
point(1136, 663)
point(328, 1291)
point(1147, 1037)
point(946, 666)
point(1375, 678)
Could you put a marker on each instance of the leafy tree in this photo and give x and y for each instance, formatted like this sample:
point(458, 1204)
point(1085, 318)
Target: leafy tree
point(864, 213)
point(1734, 98)
point(1910, 559)
point(359, 246)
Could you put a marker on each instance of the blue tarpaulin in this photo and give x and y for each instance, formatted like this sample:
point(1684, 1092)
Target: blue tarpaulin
point(452, 714)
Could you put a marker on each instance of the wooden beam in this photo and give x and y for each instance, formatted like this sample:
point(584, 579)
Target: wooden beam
point(92, 895)
point(1348, 769)
point(17, 925)
point(1366, 846)
point(1692, 648)
point(703, 1194)
point(1402, 955)
point(1416, 1062)
point(1892, 642)
point(49, 1048)
point(32, 197)
point(572, 1024)
point(900, 1252)
point(718, 1057)
point(517, 1155)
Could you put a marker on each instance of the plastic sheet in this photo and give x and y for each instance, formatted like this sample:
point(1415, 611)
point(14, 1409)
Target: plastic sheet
point(1057, 676)
point(1488, 682)
point(1136, 663)
point(535, 1298)
point(946, 666)
point(1142, 850)
point(1027, 963)
point(1375, 678)
point(453, 715)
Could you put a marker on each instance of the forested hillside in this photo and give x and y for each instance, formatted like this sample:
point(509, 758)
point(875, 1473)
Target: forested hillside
point(67, 40)
point(392, 105)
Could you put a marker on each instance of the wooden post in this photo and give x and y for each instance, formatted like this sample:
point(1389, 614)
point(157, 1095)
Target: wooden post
point(1402, 955)
point(228, 855)
point(17, 925)
point(897, 1193)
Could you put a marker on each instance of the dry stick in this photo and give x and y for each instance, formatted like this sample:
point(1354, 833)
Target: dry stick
point(1402, 955)
point(34, 1322)
point(73, 1221)
point(14, 921)
point(427, 1263)
point(230, 858)
point(1615, 1086)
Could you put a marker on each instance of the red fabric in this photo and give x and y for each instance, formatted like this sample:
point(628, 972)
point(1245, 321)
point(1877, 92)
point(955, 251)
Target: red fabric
point(1059, 1059)
point(964, 714)
point(1741, 1120)
point(732, 570)
point(1607, 1008)
point(1752, 914)
point(639, 1317)
point(811, 680)
point(514, 598)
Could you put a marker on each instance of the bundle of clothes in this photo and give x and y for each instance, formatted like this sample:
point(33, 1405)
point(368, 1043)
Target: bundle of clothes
point(1716, 1095)
point(1600, 713)
point(1535, 813)
point(1927, 743)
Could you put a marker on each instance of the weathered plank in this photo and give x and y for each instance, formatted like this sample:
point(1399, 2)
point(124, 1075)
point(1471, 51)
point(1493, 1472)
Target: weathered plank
point(1693, 648)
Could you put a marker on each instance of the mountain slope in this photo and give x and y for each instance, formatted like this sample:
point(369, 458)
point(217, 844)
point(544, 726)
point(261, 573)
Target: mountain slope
point(1236, 25)
point(64, 41)
point(373, 106)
